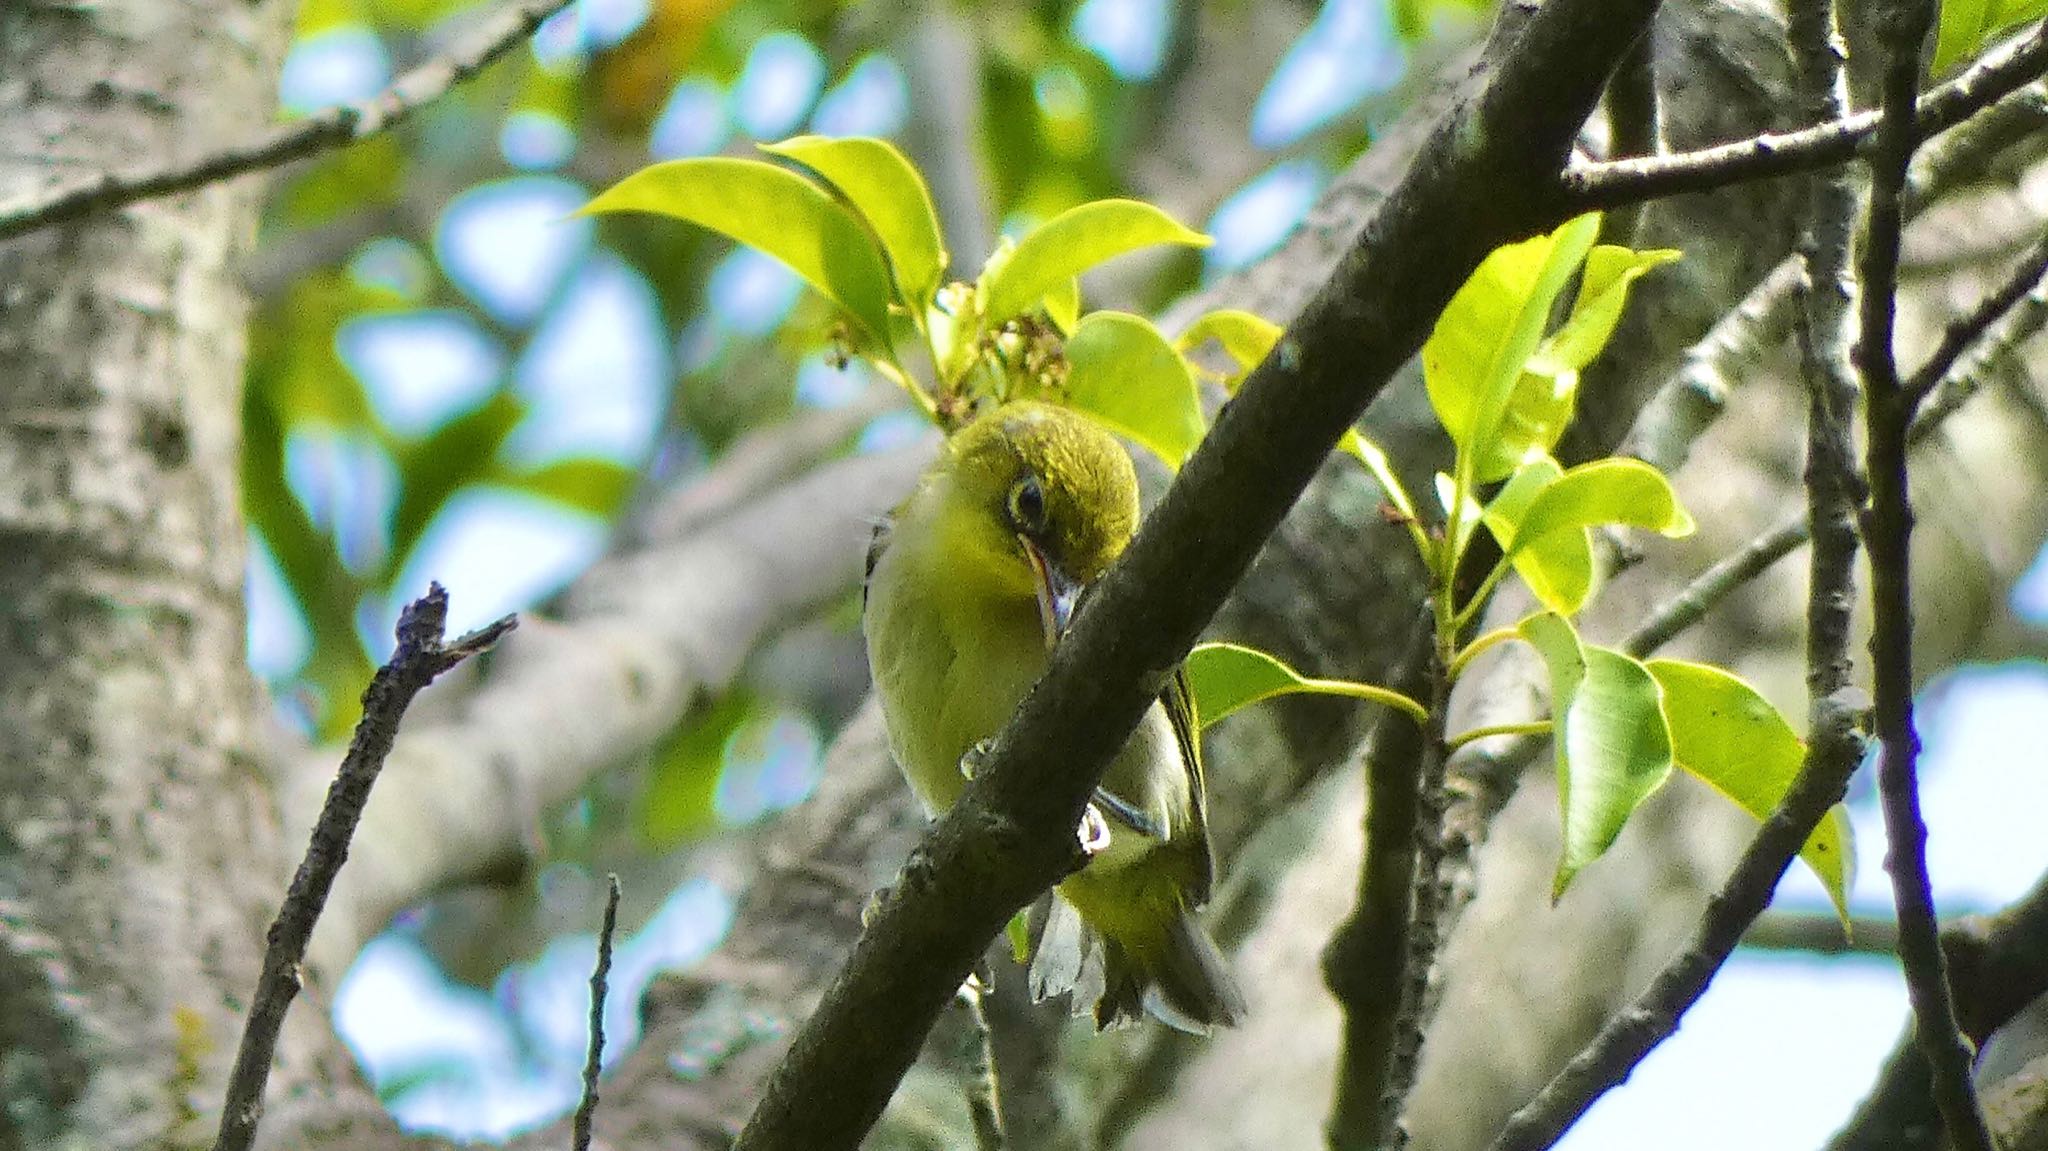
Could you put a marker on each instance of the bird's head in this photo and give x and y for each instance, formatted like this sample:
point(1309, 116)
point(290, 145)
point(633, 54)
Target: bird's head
point(1058, 485)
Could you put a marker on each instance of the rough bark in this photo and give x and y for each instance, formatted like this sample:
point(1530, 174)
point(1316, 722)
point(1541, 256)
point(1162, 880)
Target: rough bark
point(137, 837)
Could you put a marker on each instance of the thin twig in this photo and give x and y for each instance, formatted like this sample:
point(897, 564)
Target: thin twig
point(419, 659)
point(1887, 529)
point(586, 1109)
point(1365, 959)
point(1998, 964)
point(1964, 331)
point(1784, 153)
point(329, 128)
point(984, 1101)
point(1635, 128)
point(1821, 933)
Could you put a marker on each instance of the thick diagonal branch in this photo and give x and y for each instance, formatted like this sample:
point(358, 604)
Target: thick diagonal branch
point(1480, 181)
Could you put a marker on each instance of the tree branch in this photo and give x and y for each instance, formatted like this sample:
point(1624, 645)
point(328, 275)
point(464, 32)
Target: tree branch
point(421, 658)
point(1621, 182)
point(1364, 962)
point(331, 128)
point(1011, 835)
point(1997, 965)
point(1966, 330)
point(1888, 528)
point(586, 1108)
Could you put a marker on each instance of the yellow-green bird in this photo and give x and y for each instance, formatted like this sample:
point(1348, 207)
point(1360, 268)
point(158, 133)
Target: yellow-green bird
point(969, 585)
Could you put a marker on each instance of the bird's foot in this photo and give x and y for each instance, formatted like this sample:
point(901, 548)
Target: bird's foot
point(873, 907)
point(970, 764)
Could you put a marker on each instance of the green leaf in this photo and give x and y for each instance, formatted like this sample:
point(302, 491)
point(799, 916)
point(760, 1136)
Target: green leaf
point(1019, 934)
point(1468, 516)
point(884, 187)
point(1070, 244)
point(1613, 748)
point(1729, 735)
point(1123, 372)
point(586, 483)
point(1557, 567)
point(1616, 490)
point(1474, 358)
point(431, 471)
point(1063, 305)
point(1224, 677)
point(773, 209)
point(1603, 292)
point(1244, 337)
point(1352, 444)
point(679, 803)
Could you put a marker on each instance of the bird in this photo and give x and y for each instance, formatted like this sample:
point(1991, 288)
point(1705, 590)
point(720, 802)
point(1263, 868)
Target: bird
point(971, 581)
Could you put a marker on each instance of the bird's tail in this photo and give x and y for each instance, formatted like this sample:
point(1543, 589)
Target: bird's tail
point(1178, 976)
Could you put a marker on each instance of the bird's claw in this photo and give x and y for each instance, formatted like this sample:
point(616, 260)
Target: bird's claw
point(970, 764)
point(872, 907)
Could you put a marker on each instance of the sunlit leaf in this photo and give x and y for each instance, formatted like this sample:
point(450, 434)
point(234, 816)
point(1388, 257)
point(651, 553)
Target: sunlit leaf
point(1964, 24)
point(1610, 491)
point(680, 801)
point(1475, 356)
point(773, 209)
point(589, 484)
point(1726, 733)
point(1070, 244)
point(1063, 305)
point(1123, 372)
point(1613, 748)
point(1468, 516)
point(1352, 444)
point(1225, 677)
point(1603, 292)
point(1244, 337)
point(884, 187)
point(432, 470)
point(1558, 567)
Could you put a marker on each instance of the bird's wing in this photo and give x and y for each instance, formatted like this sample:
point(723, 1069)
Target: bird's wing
point(1187, 731)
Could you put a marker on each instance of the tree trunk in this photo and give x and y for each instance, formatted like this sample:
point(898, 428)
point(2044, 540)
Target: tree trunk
point(138, 850)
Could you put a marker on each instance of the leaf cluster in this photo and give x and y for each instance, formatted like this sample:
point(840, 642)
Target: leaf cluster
point(853, 218)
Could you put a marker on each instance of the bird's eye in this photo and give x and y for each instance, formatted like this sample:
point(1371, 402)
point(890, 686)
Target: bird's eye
point(1027, 505)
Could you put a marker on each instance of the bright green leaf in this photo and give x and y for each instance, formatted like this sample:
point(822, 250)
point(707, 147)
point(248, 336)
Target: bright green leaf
point(587, 483)
point(884, 187)
point(773, 209)
point(1244, 337)
point(1370, 454)
point(1730, 736)
point(1616, 490)
point(1613, 748)
point(1063, 305)
point(1558, 567)
point(1965, 25)
point(1467, 517)
point(1224, 677)
point(1474, 359)
point(1123, 372)
point(1069, 244)
point(1603, 291)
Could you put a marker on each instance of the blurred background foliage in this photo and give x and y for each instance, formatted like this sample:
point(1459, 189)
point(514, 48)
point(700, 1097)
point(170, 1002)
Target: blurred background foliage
point(452, 378)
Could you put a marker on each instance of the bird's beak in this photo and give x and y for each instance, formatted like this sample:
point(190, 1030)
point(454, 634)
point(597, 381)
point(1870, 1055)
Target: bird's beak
point(1057, 593)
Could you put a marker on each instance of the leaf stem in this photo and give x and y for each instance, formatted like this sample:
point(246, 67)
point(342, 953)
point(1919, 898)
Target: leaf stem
point(1478, 646)
point(1479, 598)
